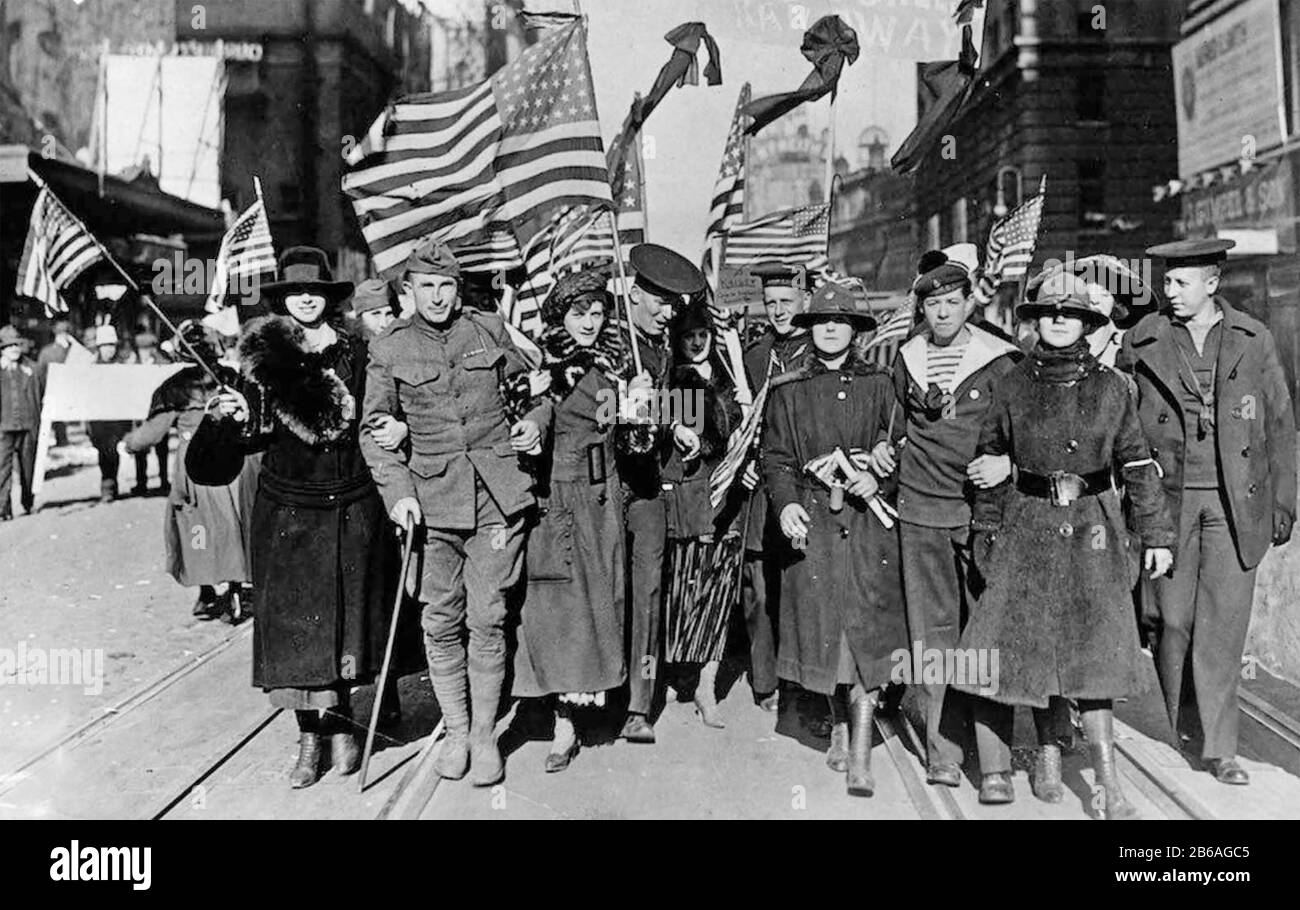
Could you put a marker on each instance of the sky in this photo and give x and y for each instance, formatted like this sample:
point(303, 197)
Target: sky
point(759, 42)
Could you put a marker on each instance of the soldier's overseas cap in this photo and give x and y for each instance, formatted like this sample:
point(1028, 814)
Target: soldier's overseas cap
point(1210, 251)
point(950, 276)
point(372, 294)
point(1065, 293)
point(774, 274)
point(433, 258)
point(659, 269)
point(834, 301)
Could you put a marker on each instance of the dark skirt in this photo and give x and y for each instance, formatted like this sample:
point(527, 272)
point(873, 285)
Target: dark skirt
point(571, 625)
point(324, 571)
point(702, 585)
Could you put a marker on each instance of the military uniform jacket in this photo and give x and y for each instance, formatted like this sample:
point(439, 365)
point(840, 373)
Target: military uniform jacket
point(446, 385)
point(770, 356)
point(1252, 412)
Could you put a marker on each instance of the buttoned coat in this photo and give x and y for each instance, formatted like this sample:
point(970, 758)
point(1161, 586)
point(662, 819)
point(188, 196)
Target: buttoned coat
point(446, 385)
point(1255, 425)
point(771, 355)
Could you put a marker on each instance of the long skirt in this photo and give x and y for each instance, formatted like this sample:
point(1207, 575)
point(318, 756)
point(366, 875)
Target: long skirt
point(205, 529)
point(702, 581)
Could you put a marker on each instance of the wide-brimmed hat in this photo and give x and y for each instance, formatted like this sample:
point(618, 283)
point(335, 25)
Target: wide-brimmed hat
point(1106, 271)
point(1066, 293)
point(10, 336)
point(304, 270)
point(834, 301)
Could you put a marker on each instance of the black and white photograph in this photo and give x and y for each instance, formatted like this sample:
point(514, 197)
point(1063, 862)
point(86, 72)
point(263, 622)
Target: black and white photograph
point(473, 410)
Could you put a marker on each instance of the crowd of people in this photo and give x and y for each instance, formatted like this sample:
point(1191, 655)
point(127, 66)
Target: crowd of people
point(1062, 497)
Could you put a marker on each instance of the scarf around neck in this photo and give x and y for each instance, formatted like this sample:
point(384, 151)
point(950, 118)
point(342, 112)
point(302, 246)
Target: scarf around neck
point(1062, 365)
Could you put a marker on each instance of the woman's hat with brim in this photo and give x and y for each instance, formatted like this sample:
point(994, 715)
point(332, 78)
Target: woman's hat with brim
point(1128, 289)
point(305, 270)
point(834, 301)
point(1064, 293)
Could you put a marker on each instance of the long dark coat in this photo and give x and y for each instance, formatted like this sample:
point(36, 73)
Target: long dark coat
point(571, 628)
point(1058, 608)
point(849, 578)
point(1253, 418)
point(323, 553)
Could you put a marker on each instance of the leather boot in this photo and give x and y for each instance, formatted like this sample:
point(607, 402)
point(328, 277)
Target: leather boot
point(706, 701)
point(345, 751)
point(862, 729)
point(837, 756)
point(453, 760)
point(485, 758)
point(1098, 727)
point(306, 770)
point(1047, 774)
point(107, 490)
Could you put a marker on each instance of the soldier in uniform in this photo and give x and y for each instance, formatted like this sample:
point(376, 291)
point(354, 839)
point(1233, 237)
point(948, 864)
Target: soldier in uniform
point(1214, 404)
point(444, 372)
point(663, 278)
point(942, 382)
point(779, 349)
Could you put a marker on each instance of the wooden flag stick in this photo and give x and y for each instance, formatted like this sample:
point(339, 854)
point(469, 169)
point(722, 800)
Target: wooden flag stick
point(623, 290)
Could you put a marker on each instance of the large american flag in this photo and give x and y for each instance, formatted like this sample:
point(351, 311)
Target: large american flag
point(246, 252)
point(499, 155)
point(728, 204)
point(795, 237)
point(58, 249)
point(884, 344)
point(1011, 247)
point(561, 246)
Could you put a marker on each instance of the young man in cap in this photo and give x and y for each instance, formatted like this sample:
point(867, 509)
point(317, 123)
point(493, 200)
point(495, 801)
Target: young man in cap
point(22, 388)
point(442, 371)
point(1214, 403)
point(943, 378)
point(662, 279)
point(372, 305)
point(780, 348)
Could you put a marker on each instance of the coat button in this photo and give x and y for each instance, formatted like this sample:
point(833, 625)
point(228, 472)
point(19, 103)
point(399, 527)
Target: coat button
point(1155, 453)
point(1067, 529)
point(844, 533)
point(1163, 418)
point(1245, 453)
point(974, 393)
point(1072, 445)
point(841, 395)
point(1236, 412)
point(1250, 491)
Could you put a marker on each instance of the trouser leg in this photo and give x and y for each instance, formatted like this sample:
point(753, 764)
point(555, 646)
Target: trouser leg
point(8, 453)
point(162, 452)
point(1175, 597)
point(647, 527)
point(442, 590)
point(27, 468)
point(755, 592)
point(932, 586)
point(994, 724)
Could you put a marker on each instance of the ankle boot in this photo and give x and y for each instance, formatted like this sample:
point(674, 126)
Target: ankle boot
point(564, 744)
point(453, 760)
point(485, 758)
point(1097, 725)
point(861, 713)
point(345, 751)
point(306, 770)
point(107, 490)
point(837, 756)
point(1047, 774)
point(706, 701)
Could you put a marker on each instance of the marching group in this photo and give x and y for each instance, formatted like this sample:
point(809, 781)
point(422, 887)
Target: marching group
point(1062, 500)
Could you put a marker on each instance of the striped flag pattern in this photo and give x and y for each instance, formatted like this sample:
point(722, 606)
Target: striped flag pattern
point(729, 190)
point(795, 237)
point(499, 155)
point(498, 252)
point(246, 252)
point(1010, 248)
point(884, 344)
point(57, 250)
point(559, 247)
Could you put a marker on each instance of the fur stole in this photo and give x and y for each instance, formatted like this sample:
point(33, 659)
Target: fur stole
point(300, 387)
point(567, 362)
point(721, 413)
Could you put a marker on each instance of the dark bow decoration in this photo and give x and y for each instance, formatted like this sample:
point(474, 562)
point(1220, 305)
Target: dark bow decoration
point(828, 46)
point(946, 86)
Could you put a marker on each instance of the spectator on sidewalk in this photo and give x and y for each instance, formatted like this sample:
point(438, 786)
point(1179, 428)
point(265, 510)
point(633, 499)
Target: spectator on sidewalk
point(106, 434)
point(147, 352)
point(57, 352)
point(22, 386)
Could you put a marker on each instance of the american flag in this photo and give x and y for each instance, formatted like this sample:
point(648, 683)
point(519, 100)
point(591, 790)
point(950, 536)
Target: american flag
point(796, 237)
point(1011, 247)
point(498, 252)
point(58, 249)
point(883, 346)
point(499, 155)
point(729, 191)
point(560, 247)
point(246, 252)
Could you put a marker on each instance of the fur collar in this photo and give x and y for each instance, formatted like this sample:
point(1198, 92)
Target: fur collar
point(301, 387)
point(568, 363)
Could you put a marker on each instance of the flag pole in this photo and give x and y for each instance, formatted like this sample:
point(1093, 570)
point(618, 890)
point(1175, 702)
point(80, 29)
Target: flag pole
point(830, 150)
point(131, 282)
point(623, 291)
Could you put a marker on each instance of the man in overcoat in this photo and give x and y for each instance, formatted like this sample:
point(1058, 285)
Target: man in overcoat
point(22, 390)
point(442, 371)
point(1214, 404)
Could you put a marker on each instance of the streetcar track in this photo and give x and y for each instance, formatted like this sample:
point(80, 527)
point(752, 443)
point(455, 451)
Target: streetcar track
point(212, 767)
point(1270, 718)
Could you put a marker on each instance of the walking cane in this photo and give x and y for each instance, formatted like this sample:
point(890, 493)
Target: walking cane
point(381, 687)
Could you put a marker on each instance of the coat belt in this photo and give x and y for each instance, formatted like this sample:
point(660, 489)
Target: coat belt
point(333, 494)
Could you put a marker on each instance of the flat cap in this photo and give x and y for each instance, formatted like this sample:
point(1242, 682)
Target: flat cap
point(1210, 251)
point(433, 258)
point(662, 269)
point(372, 294)
point(940, 280)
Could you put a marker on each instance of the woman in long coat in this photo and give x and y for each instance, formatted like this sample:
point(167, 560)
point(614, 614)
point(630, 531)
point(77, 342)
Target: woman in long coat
point(570, 648)
point(1052, 546)
point(842, 613)
point(204, 528)
point(322, 557)
point(703, 557)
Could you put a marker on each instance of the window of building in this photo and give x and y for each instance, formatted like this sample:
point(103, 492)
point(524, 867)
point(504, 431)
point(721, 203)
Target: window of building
point(1092, 194)
point(959, 221)
point(1090, 96)
point(932, 240)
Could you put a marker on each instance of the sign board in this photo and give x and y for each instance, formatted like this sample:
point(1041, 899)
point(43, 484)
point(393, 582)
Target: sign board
point(1263, 198)
point(13, 164)
point(737, 288)
point(95, 391)
point(1228, 87)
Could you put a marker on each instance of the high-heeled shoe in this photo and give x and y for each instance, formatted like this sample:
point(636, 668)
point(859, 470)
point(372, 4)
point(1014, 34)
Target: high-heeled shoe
point(566, 739)
point(706, 703)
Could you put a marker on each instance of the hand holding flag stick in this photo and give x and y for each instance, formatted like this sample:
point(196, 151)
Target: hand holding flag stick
point(844, 473)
